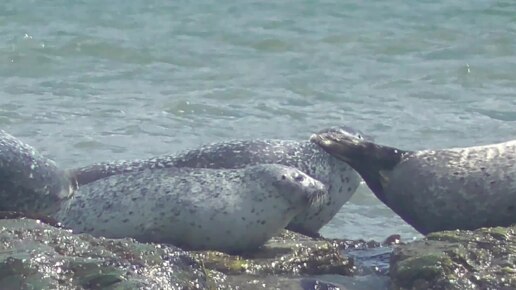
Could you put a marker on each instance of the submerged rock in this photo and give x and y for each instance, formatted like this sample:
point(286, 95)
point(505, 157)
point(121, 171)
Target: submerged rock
point(480, 259)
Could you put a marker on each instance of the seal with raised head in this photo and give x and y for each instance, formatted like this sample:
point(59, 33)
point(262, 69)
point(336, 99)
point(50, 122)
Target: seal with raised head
point(30, 182)
point(229, 210)
point(340, 179)
point(434, 190)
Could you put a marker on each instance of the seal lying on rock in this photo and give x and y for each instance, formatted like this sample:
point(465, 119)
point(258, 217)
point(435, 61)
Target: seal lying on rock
point(28, 180)
point(229, 210)
point(338, 176)
point(435, 190)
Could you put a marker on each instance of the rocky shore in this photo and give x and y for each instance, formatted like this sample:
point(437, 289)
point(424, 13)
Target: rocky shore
point(34, 255)
point(481, 259)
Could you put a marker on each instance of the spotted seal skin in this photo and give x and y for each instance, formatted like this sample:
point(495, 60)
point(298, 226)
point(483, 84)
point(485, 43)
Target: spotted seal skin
point(341, 180)
point(30, 182)
point(435, 190)
point(229, 210)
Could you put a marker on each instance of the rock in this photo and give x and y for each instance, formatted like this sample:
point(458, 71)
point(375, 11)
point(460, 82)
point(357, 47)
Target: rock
point(34, 255)
point(480, 259)
point(287, 254)
point(293, 261)
point(38, 256)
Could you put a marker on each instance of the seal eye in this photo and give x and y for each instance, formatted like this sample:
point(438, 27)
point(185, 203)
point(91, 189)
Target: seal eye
point(283, 177)
point(299, 178)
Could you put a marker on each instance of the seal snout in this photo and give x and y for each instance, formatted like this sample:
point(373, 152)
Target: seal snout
point(318, 195)
point(316, 192)
point(307, 190)
point(345, 130)
point(337, 143)
point(323, 140)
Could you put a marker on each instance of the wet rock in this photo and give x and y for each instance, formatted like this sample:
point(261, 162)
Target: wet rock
point(294, 261)
point(34, 255)
point(288, 253)
point(480, 259)
point(369, 257)
point(311, 284)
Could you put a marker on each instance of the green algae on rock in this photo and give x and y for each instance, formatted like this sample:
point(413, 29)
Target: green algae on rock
point(284, 262)
point(37, 256)
point(288, 253)
point(480, 259)
point(34, 255)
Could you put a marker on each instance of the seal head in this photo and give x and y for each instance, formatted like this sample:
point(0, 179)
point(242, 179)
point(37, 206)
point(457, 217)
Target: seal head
point(370, 160)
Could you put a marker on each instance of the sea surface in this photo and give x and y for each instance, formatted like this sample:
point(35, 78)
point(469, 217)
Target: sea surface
point(90, 81)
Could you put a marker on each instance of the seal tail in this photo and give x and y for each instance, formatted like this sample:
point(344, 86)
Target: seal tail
point(370, 160)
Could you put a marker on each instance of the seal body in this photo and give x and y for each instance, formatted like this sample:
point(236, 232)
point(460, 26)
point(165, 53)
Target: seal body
point(340, 179)
point(434, 190)
point(228, 210)
point(30, 182)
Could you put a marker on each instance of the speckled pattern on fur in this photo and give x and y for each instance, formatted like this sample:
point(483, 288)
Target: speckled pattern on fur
point(195, 208)
point(29, 181)
point(459, 188)
point(341, 180)
point(434, 190)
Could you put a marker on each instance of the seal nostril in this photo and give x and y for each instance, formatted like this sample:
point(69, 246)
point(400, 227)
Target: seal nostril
point(299, 178)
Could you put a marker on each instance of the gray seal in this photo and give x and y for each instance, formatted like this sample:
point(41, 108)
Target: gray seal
point(340, 179)
point(230, 210)
point(30, 182)
point(435, 190)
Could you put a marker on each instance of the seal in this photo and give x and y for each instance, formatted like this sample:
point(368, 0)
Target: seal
point(30, 182)
point(230, 210)
point(434, 190)
point(340, 179)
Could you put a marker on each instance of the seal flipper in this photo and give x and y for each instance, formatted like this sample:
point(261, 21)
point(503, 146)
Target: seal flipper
point(370, 160)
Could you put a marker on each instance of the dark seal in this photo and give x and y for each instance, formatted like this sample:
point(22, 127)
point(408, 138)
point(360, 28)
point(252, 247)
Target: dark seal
point(435, 190)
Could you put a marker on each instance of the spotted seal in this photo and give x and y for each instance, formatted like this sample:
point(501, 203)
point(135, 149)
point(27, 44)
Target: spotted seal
point(229, 210)
point(434, 190)
point(341, 180)
point(29, 181)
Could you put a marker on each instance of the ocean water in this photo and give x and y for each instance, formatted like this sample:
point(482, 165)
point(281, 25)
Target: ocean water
point(89, 81)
